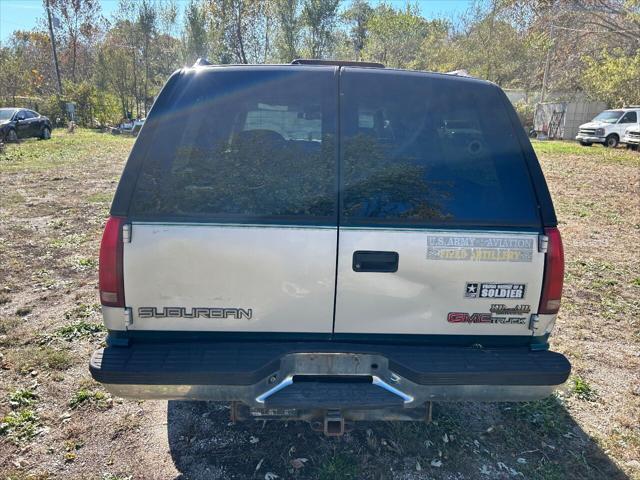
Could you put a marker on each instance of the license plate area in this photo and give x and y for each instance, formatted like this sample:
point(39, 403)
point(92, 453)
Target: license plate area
point(333, 364)
point(334, 368)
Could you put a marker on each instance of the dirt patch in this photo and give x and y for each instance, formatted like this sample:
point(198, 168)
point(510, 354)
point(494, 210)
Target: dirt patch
point(57, 423)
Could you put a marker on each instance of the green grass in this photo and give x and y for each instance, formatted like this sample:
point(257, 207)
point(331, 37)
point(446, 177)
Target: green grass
point(582, 389)
point(82, 264)
point(82, 311)
point(32, 358)
point(545, 417)
point(22, 397)
point(100, 197)
point(72, 240)
point(8, 325)
point(20, 426)
point(338, 467)
point(566, 147)
point(84, 396)
point(79, 329)
point(63, 149)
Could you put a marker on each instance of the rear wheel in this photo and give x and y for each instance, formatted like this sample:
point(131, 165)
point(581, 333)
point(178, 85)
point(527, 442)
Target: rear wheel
point(46, 133)
point(11, 136)
point(586, 144)
point(611, 141)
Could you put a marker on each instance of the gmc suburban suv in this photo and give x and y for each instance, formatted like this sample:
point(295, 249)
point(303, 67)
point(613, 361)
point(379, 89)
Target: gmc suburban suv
point(331, 242)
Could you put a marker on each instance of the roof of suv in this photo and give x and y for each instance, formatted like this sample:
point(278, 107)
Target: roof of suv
point(306, 64)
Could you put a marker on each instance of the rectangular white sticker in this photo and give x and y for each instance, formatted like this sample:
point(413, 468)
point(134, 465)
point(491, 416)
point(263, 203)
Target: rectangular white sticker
point(507, 291)
point(479, 249)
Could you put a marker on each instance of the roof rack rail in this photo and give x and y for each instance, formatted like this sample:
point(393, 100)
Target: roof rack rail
point(459, 73)
point(339, 63)
point(202, 62)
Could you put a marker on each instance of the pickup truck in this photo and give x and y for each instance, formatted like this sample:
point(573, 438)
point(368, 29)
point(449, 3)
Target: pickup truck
point(330, 242)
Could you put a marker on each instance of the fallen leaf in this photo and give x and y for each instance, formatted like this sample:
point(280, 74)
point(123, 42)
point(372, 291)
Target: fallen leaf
point(436, 463)
point(298, 463)
point(270, 476)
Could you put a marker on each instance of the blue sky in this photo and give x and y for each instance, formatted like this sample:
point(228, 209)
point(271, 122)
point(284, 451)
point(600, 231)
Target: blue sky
point(25, 14)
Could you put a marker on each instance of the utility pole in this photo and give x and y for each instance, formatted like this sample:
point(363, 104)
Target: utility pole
point(491, 50)
point(53, 47)
point(547, 63)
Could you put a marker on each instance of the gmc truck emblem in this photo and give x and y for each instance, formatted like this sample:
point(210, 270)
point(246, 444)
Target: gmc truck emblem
point(195, 312)
point(463, 317)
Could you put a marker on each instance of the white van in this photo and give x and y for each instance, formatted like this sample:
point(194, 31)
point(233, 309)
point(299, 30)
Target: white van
point(608, 127)
point(632, 137)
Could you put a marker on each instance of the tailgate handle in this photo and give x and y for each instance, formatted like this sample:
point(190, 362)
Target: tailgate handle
point(368, 261)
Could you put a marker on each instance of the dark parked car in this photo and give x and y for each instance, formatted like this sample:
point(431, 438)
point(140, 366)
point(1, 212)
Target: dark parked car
point(18, 123)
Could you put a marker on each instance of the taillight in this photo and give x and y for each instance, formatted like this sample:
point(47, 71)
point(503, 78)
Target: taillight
point(553, 273)
point(111, 277)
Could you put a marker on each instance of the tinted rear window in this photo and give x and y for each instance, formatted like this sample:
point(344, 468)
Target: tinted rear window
point(428, 149)
point(242, 145)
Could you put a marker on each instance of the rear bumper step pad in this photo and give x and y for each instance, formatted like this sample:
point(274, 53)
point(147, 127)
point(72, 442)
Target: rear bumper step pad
point(333, 395)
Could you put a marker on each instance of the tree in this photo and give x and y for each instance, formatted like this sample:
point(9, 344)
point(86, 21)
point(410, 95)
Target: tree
point(613, 78)
point(357, 16)
point(115, 68)
point(437, 52)
point(195, 32)
point(78, 28)
point(11, 75)
point(288, 29)
point(490, 49)
point(147, 26)
point(241, 30)
point(32, 52)
point(319, 18)
point(394, 36)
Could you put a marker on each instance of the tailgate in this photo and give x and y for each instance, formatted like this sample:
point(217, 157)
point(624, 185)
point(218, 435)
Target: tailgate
point(226, 278)
point(457, 283)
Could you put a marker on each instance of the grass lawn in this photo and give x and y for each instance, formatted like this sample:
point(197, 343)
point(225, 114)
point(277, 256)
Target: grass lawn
point(55, 422)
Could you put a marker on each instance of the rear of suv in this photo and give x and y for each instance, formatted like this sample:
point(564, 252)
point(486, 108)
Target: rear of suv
point(330, 242)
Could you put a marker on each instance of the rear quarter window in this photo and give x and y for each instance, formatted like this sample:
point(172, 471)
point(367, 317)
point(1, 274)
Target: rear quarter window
point(422, 149)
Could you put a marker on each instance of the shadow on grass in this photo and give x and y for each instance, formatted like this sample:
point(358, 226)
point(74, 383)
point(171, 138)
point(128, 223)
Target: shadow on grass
point(535, 440)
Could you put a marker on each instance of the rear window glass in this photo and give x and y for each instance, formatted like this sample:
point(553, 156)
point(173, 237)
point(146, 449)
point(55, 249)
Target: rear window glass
point(420, 149)
point(244, 144)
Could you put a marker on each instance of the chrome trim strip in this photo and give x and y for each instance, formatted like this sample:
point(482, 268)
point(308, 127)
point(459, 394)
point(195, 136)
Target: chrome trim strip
point(377, 381)
point(234, 225)
point(428, 229)
point(283, 384)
